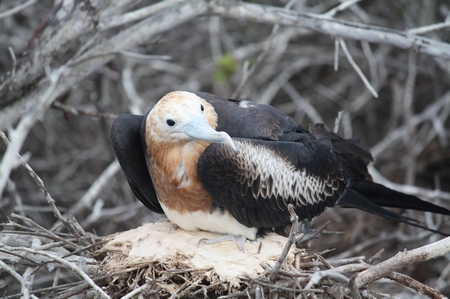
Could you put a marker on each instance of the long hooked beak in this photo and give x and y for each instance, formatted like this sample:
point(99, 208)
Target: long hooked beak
point(198, 128)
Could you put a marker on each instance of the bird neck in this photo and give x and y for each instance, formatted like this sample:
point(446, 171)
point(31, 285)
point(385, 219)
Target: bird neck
point(173, 168)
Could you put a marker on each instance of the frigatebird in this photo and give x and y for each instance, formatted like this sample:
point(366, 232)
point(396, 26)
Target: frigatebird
point(233, 167)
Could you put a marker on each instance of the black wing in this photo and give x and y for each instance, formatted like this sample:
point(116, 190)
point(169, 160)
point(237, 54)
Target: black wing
point(247, 119)
point(354, 155)
point(257, 184)
point(325, 158)
point(126, 142)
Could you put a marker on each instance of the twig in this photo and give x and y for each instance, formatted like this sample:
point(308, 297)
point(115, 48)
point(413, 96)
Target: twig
point(136, 15)
point(336, 273)
point(373, 64)
point(237, 294)
point(25, 125)
point(267, 45)
point(144, 288)
point(429, 28)
point(336, 55)
point(377, 256)
point(302, 103)
point(337, 122)
point(71, 291)
point(50, 234)
point(284, 272)
point(407, 111)
point(28, 275)
point(77, 111)
point(77, 233)
point(136, 101)
point(179, 271)
point(334, 263)
point(24, 283)
point(334, 27)
point(145, 56)
point(95, 188)
point(414, 284)
point(282, 78)
point(13, 56)
point(330, 273)
point(341, 7)
point(428, 114)
point(278, 287)
point(287, 246)
point(70, 266)
point(16, 9)
point(356, 67)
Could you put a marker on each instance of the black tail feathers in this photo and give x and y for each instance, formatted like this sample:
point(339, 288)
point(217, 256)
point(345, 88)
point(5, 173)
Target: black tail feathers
point(372, 197)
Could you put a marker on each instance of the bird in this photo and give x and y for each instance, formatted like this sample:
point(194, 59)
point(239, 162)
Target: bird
point(233, 167)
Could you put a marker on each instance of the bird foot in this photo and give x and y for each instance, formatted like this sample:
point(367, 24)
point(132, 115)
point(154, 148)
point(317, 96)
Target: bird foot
point(239, 240)
point(164, 219)
point(173, 227)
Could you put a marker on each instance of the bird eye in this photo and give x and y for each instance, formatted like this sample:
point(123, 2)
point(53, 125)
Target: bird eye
point(170, 122)
point(202, 108)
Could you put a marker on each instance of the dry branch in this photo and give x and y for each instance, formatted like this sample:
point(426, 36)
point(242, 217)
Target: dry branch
point(333, 27)
point(162, 17)
point(414, 284)
point(112, 57)
point(403, 259)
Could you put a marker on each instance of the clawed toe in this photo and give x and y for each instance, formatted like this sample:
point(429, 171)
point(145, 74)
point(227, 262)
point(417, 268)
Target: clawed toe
point(239, 240)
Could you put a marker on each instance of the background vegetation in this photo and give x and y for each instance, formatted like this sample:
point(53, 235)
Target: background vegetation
point(66, 69)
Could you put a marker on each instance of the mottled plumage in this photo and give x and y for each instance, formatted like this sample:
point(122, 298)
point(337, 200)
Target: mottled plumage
point(233, 167)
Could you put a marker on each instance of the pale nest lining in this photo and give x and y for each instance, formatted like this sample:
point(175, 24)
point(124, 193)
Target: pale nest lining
point(160, 243)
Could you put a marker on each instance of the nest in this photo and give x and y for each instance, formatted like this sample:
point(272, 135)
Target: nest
point(171, 262)
point(159, 261)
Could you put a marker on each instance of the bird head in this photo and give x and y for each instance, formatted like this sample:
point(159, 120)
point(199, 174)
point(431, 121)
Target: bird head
point(180, 117)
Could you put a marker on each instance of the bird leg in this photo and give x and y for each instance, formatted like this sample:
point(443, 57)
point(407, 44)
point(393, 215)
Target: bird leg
point(174, 227)
point(162, 219)
point(239, 240)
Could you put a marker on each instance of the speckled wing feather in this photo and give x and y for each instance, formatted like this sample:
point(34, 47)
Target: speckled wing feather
point(257, 184)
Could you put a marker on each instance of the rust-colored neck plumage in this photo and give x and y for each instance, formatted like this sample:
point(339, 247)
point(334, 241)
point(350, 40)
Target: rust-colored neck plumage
point(173, 168)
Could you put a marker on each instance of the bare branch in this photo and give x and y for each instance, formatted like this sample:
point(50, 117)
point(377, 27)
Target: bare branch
point(89, 197)
point(16, 9)
point(416, 285)
point(65, 263)
point(24, 283)
point(403, 259)
point(356, 67)
point(136, 15)
point(78, 111)
point(341, 7)
point(287, 246)
point(20, 133)
point(76, 231)
point(429, 28)
point(333, 27)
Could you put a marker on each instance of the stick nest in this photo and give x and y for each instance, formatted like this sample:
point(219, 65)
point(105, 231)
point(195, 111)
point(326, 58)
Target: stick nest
point(167, 262)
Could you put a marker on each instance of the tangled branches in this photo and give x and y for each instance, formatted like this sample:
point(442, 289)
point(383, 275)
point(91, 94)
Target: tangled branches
point(68, 67)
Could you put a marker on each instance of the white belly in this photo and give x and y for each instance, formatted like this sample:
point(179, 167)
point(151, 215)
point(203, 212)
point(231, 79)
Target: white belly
point(218, 221)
